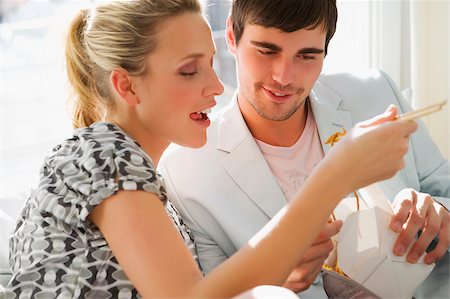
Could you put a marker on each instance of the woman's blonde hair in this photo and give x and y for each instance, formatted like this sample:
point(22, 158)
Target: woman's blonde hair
point(118, 34)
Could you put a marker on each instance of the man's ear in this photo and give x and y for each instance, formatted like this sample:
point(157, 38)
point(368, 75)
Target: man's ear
point(122, 83)
point(231, 41)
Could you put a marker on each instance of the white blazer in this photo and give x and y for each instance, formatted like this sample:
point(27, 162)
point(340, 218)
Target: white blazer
point(226, 192)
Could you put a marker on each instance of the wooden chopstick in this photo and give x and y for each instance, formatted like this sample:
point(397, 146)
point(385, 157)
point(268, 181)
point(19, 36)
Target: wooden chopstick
point(422, 111)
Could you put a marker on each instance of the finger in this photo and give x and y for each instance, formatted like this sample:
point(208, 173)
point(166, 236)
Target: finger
point(444, 239)
point(402, 207)
point(389, 115)
point(430, 231)
point(318, 251)
point(302, 277)
point(407, 127)
point(296, 286)
point(328, 231)
point(407, 236)
point(316, 267)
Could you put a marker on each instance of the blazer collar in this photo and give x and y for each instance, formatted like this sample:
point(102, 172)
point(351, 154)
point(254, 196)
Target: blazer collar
point(232, 129)
point(331, 117)
point(326, 107)
point(245, 163)
point(325, 104)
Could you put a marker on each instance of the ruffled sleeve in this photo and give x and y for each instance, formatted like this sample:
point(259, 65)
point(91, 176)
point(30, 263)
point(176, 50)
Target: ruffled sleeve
point(96, 163)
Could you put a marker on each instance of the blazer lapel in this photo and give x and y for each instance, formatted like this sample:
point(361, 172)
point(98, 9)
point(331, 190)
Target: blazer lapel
point(245, 163)
point(329, 119)
point(325, 104)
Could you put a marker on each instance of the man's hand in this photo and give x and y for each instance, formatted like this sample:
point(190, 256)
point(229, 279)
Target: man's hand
point(309, 267)
point(414, 211)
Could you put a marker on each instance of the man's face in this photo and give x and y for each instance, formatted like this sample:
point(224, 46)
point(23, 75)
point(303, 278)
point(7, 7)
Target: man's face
point(276, 69)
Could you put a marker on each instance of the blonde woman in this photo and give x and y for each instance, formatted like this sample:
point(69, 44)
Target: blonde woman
point(100, 226)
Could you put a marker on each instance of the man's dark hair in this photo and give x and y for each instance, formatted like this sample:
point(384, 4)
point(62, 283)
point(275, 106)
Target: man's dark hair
point(286, 15)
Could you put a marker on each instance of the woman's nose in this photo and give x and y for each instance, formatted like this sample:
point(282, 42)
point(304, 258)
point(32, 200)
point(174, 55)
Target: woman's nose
point(215, 86)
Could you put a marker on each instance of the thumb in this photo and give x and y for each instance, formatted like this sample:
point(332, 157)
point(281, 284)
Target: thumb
point(389, 115)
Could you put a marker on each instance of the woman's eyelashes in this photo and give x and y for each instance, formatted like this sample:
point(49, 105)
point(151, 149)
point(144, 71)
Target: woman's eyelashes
point(193, 68)
point(188, 70)
point(188, 74)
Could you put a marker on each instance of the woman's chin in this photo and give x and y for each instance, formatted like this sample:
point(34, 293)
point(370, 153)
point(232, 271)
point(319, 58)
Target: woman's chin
point(199, 142)
point(193, 141)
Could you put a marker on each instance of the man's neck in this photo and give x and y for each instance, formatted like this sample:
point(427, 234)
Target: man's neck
point(277, 133)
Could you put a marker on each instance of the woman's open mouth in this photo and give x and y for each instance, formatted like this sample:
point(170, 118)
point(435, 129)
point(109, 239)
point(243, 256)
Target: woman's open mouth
point(201, 117)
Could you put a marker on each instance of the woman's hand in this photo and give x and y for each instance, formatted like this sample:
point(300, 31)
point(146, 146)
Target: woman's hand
point(372, 151)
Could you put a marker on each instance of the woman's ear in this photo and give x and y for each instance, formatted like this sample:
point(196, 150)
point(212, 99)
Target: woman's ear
point(122, 83)
point(231, 41)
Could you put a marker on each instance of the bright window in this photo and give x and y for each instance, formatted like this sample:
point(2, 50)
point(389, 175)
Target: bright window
point(33, 115)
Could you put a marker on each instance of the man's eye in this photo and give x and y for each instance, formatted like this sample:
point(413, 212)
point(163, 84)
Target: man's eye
point(308, 57)
point(266, 52)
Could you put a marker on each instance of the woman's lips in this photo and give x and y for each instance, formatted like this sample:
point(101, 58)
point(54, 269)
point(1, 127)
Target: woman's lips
point(200, 118)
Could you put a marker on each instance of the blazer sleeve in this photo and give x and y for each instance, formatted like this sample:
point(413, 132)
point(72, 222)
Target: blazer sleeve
point(197, 219)
point(432, 169)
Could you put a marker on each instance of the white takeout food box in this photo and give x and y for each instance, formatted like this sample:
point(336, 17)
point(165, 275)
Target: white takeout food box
point(365, 250)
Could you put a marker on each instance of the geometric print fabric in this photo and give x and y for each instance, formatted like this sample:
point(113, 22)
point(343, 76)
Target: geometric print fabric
point(55, 251)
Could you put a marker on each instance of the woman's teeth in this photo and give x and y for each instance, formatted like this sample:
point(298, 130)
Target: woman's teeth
point(202, 115)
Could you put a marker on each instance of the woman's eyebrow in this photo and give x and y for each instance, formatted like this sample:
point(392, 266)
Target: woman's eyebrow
point(193, 55)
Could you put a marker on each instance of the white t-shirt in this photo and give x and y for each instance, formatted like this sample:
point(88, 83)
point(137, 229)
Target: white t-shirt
point(292, 165)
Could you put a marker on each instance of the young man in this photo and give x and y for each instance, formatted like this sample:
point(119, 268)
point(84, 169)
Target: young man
point(262, 147)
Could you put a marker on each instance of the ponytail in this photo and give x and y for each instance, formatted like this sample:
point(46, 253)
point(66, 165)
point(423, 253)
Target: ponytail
point(117, 34)
point(87, 107)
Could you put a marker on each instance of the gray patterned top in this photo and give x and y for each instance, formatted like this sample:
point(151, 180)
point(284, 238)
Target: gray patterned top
point(55, 251)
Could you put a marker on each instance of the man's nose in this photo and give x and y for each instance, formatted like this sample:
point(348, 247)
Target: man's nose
point(283, 71)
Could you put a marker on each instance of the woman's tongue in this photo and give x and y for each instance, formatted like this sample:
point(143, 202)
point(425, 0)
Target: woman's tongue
point(198, 116)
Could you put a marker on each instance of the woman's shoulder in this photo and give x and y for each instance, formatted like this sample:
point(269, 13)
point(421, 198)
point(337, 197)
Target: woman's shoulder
point(100, 155)
point(94, 164)
point(98, 145)
point(105, 137)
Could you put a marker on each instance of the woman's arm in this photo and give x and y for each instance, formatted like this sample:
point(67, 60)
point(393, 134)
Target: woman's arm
point(147, 244)
point(152, 253)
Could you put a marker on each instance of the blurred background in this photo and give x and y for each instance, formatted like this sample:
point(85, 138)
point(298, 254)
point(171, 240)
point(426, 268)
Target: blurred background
point(408, 39)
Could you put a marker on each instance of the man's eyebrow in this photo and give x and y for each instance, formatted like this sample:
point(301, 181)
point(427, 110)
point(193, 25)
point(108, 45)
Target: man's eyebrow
point(266, 45)
point(273, 47)
point(311, 51)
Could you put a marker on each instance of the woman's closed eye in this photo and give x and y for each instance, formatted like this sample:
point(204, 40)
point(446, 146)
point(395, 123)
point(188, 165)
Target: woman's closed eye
point(188, 74)
point(188, 70)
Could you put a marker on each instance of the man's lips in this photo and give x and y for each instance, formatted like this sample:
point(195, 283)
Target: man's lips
point(278, 96)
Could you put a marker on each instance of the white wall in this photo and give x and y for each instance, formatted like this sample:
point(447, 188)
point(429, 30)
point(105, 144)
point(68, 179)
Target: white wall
point(430, 67)
point(408, 39)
